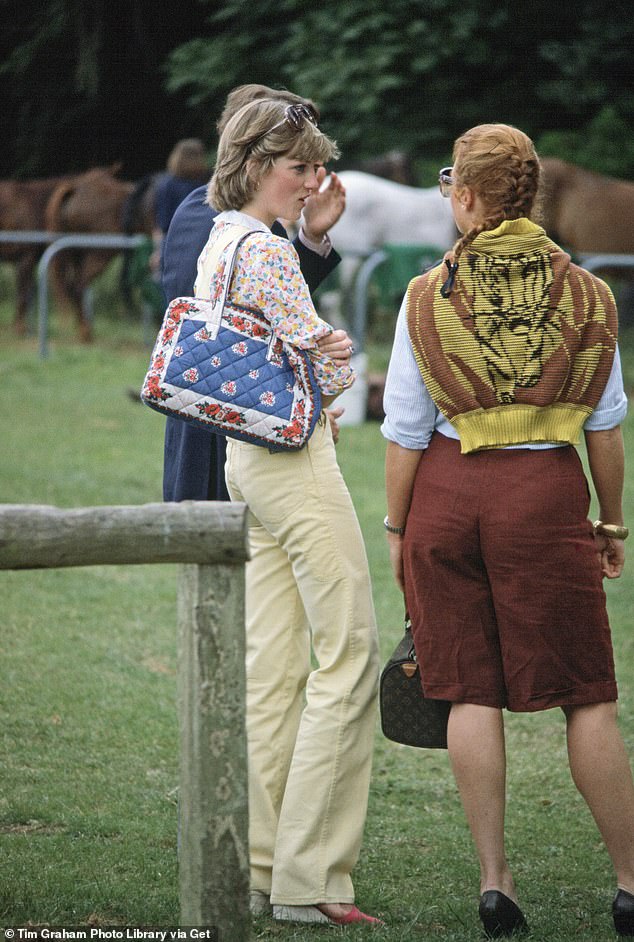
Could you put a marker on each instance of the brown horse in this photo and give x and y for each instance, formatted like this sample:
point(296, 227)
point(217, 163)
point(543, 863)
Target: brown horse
point(587, 212)
point(94, 202)
point(23, 207)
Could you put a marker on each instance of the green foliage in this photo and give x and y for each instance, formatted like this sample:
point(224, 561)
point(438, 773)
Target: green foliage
point(606, 145)
point(86, 84)
point(415, 74)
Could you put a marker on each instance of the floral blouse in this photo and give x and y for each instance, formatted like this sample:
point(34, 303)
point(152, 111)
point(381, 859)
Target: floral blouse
point(267, 276)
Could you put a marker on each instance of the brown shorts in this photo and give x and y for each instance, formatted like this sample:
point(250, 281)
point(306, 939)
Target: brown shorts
point(503, 583)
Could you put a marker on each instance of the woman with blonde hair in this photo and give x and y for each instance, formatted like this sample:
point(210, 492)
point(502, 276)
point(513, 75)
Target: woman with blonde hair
point(503, 355)
point(310, 728)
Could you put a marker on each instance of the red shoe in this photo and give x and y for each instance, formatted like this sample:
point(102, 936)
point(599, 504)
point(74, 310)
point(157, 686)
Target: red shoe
point(354, 916)
point(313, 914)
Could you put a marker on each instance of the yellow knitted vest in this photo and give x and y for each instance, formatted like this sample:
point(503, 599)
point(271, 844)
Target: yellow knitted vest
point(522, 348)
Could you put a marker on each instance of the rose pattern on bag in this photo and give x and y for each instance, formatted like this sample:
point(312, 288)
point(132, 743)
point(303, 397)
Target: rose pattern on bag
point(191, 376)
point(267, 398)
point(177, 310)
point(240, 348)
point(216, 286)
point(247, 325)
point(253, 374)
point(153, 387)
point(169, 330)
point(229, 388)
point(202, 335)
point(294, 430)
point(216, 361)
point(221, 413)
point(178, 351)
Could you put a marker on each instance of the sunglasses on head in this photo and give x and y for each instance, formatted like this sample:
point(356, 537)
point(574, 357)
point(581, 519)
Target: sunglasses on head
point(295, 116)
point(445, 181)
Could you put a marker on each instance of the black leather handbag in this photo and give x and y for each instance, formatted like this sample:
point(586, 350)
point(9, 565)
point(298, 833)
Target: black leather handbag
point(407, 716)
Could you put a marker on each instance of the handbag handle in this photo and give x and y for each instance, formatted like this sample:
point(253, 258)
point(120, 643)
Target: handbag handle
point(410, 666)
point(213, 324)
point(215, 317)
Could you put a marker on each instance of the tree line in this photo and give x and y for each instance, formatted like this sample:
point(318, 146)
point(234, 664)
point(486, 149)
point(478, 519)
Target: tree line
point(89, 83)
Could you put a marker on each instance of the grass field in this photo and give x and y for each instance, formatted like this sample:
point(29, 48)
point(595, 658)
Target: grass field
point(88, 738)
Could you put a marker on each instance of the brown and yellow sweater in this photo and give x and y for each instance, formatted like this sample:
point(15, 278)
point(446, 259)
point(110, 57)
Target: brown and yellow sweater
point(522, 348)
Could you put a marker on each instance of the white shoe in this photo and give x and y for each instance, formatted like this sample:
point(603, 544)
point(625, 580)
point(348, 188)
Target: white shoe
point(300, 914)
point(260, 903)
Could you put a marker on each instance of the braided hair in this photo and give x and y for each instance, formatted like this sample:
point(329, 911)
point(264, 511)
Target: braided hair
point(500, 164)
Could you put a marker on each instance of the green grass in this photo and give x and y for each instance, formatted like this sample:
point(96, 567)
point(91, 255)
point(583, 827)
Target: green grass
point(88, 737)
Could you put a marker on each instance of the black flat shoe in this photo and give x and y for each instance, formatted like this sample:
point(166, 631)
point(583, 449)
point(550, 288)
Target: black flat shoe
point(623, 912)
point(500, 915)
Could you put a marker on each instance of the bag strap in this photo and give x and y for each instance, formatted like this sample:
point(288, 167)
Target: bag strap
point(233, 245)
point(409, 666)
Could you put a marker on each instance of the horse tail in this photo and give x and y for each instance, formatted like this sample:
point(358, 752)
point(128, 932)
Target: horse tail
point(61, 270)
point(53, 214)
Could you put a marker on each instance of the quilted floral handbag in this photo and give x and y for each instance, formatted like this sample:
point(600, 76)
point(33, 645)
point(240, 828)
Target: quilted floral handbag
point(407, 716)
point(224, 368)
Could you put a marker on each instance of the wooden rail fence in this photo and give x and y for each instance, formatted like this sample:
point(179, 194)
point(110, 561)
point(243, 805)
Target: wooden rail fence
point(210, 539)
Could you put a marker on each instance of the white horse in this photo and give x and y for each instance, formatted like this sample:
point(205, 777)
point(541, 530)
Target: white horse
point(380, 212)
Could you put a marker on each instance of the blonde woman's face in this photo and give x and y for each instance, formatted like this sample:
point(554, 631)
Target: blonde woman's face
point(284, 189)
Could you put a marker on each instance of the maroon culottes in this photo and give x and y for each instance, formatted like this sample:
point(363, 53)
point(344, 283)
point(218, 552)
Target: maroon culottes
point(503, 583)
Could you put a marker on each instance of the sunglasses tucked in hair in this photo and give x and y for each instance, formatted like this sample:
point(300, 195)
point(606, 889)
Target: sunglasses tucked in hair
point(295, 116)
point(445, 180)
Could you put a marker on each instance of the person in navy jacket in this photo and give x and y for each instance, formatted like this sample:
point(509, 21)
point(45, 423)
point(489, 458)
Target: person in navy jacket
point(194, 458)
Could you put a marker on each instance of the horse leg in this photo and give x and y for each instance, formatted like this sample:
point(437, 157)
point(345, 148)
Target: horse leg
point(67, 271)
point(25, 269)
point(93, 263)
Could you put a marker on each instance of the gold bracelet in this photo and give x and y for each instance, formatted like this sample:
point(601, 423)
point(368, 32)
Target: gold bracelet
point(388, 526)
point(612, 530)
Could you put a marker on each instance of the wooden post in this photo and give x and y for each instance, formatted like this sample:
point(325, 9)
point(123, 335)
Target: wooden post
point(213, 809)
point(211, 538)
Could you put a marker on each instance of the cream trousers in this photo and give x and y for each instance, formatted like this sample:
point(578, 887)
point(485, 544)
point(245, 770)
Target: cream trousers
point(310, 724)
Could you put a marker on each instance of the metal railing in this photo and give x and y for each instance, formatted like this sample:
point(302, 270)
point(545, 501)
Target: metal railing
point(596, 263)
point(57, 242)
point(72, 241)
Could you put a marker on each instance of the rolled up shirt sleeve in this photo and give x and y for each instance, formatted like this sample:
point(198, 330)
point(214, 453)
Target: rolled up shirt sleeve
point(410, 412)
point(612, 406)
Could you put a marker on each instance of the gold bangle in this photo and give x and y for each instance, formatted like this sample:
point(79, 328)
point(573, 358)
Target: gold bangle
point(612, 530)
point(390, 529)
